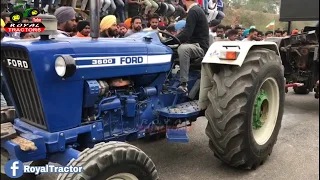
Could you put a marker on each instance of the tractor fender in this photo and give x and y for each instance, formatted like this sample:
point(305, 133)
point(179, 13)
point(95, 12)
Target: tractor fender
point(241, 47)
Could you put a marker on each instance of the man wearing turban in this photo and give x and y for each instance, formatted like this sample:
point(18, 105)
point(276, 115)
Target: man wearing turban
point(2, 27)
point(83, 28)
point(127, 23)
point(3, 37)
point(122, 30)
point(66, 17)
point(108, 26)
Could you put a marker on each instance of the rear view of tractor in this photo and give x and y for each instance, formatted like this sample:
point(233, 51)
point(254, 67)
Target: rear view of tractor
point(300, 51)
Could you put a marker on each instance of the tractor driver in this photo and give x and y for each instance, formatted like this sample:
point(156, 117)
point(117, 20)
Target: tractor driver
point(194, 39)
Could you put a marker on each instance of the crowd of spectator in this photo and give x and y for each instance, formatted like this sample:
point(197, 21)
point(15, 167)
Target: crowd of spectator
point(196, 32)
point(71, 26)
point(154, 16)
point(238, 33)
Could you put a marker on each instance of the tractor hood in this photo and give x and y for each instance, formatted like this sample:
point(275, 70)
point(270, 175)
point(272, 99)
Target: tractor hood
point(297, 10)
point(103, 58)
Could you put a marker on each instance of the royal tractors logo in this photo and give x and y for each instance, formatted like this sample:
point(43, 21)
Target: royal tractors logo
point(18, 25)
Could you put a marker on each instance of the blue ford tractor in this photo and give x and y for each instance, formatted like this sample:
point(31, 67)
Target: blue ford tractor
point(77, 98)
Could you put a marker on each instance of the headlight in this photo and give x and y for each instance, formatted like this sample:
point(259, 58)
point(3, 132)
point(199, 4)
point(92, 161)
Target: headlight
point(65, 66)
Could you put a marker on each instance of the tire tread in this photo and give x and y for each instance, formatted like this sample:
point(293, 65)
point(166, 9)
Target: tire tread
point(104, 155)
point(226, 113)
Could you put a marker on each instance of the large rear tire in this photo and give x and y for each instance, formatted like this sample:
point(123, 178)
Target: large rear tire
point(246, 109)
point(112, 160)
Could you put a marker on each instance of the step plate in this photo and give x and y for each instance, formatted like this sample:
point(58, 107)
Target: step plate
point(177, 135)
point(183, 110)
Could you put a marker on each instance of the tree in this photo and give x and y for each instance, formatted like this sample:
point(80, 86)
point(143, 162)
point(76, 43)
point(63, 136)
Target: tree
point(267, 6)
point(236, 4)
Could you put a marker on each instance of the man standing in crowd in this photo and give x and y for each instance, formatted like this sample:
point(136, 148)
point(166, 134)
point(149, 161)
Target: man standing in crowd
point(194, 39)
point(83, 28)
point(285, 33)
point(268, 34)
point(108, 27)
point(6, 18)
point(233, 35)
point(25, 35)
point(136, 26)
point(66, 17)
point(220, 31)
point(278, 33)
point(240, 33)
point(122, 30)
point(153, 22)
point(295, 31)
point(252, 36)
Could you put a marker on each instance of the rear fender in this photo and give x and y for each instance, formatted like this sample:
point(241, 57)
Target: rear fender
point(212, 55)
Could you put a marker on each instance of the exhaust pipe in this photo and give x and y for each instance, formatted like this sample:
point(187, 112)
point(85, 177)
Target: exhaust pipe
point(94, 19)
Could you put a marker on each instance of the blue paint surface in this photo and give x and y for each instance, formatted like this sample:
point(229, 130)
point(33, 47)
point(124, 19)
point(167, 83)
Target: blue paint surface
point(77, 114)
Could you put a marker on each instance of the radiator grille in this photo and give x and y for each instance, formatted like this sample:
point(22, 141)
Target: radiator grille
point(17, 69)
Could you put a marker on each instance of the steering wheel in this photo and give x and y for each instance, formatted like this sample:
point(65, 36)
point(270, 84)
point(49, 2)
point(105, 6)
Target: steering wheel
point(169, 39)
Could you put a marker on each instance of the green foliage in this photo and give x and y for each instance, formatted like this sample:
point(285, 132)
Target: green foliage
point(266, 6)
point(246, 20)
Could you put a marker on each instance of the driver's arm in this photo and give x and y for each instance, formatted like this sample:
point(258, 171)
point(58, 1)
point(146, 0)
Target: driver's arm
point(189, 28)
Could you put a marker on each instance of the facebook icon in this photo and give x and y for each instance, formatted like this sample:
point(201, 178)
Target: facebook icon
point(14, 169)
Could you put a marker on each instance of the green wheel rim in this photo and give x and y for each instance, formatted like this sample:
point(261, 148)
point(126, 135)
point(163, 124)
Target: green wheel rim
point(260, 110)
point(265, 111)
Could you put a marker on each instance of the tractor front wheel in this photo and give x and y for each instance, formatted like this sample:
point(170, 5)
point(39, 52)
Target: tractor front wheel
point(111, 161)
point(246, 109)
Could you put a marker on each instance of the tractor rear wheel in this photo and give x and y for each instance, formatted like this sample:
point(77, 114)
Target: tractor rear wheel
point(113, 160)
point(246, 109)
